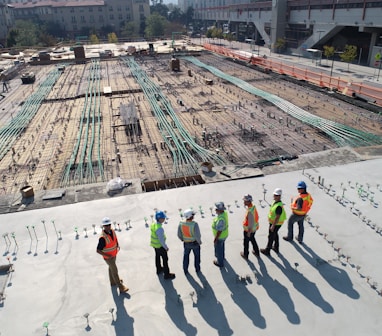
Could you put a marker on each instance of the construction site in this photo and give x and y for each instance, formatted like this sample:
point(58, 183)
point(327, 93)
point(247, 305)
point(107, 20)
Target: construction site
point(161, 118)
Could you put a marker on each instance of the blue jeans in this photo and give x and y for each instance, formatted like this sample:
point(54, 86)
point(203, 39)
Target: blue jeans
point(219, 251)
point(300, 221)
point(195, 248)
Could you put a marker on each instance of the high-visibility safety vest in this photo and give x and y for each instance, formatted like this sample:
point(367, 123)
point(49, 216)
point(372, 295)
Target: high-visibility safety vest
point(306, 204)
point(188, 231)
point(224, 217)
point(154, 238)
point(111, 247)
point(255, 214)
point(272, 213)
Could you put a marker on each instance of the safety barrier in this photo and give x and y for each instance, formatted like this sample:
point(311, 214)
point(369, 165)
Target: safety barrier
point(360, 90)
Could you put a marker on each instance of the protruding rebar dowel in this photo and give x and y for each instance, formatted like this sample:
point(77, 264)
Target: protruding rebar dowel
point(46, 325)
point(34, 230)
point(14, 238)
point(94, 229)
point(43, 223)
point(55, 229)
point(86, 315)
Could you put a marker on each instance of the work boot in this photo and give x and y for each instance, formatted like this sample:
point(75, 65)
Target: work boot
point(122, 288)
point(265, 251)
point(243, 256)
point(169, 276)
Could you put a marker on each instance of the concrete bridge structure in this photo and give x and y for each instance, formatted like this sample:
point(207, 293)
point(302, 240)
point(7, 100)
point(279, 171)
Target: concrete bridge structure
point(303, 24)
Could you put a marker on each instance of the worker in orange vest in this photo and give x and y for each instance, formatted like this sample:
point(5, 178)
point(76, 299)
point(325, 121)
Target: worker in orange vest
point(108, 247)
point(250, 226)
point(189, 234)
point(300, 206)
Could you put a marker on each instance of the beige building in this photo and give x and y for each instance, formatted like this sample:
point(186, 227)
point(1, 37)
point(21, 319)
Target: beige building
point(79, 15)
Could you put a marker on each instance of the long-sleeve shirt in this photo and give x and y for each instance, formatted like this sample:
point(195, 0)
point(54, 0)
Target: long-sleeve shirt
point(161, 238)
point(196, 235)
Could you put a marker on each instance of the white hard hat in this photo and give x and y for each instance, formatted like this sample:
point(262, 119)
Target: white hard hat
point(188, 213)
point(219, 206)
point(278, 192)
point(106, 221)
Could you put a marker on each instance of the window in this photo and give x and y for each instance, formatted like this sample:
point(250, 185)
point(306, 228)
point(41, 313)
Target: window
point(74, 19)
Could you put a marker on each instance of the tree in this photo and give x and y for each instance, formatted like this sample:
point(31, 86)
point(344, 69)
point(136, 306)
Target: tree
point(349, 54)
point(112, 38)
point(155, 25)
point(329, 51)
point(189, 15)
point(176, 15)
point(128, 30)
point(280, 44)
point(160, 9)
point(26, 33)
point(94, 39)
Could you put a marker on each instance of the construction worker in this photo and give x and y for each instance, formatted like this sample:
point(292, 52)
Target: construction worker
point(220, 232)
point(300, 206)
point(250, 226)
point(276, 218)
point(189, 234)
point(108, 247)
point(158, 242)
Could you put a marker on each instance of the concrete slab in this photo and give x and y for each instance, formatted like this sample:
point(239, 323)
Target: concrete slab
point(331, 284)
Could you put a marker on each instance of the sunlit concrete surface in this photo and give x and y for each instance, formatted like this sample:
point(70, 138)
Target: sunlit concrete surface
point(330, 285)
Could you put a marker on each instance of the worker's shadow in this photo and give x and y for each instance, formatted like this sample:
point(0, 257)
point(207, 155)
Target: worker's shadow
point(278, 293)
point(174, 308)
point(123, 323)
point(242, 296)
point(204, 299)
point(303, 285)
point(334, 276)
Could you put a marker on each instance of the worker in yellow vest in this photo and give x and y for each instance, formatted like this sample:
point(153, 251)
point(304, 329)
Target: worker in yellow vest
point(158, 242)
point(108, 247)
point(220, 233)
point(276, 218)
point(250, 226)
point(300, 206)
point(189, 234)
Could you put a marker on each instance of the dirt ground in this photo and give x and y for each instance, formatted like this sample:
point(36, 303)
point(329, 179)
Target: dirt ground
point(240, 127)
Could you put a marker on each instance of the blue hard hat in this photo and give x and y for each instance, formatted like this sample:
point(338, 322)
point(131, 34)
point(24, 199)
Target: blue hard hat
point(301, 185)
point(159, 215)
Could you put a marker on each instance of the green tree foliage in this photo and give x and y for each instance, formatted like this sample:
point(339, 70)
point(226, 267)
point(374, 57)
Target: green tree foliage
point(329, 52)
point(112, 38)
point(128, 30)
point(176, 15)
point(349, 54)
point(160, 9)
point(280, 44)
point(215, 33)
point(25, 33)
point(189, 15)
point(94, 39)
point(155, 25)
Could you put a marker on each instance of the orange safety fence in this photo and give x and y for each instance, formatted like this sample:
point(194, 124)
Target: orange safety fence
point(344, 85)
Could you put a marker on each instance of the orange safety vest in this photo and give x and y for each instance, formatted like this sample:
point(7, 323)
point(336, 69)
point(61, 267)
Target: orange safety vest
point(111, 247)
point(188, 229)
point(307, 202)
point(253, 210)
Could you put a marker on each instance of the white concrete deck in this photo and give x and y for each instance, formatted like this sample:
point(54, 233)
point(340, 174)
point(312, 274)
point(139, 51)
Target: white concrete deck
point(323, 287)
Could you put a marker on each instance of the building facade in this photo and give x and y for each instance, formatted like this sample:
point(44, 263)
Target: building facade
point(81, 15)
point(303, 24)
point(6, 21)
